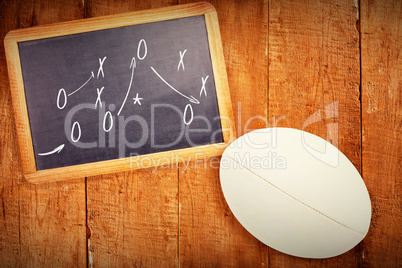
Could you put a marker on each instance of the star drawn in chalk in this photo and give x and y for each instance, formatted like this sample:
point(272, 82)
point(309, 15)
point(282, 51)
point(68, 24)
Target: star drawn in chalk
point(137, 99)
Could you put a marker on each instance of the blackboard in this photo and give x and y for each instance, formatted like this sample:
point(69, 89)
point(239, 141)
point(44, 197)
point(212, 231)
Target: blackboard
point(122, 92)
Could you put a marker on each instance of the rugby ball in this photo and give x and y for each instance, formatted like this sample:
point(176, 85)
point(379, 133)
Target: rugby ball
point(295, 192)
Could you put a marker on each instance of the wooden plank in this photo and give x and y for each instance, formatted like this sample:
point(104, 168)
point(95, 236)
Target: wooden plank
point(96, 8)
point(243, 27)
point(52, 224)
point(40, 225)
point(10, 165)
point(381, 34)
point(107, 22)
point(210, 235)
point(314, 85)
point(132, 216)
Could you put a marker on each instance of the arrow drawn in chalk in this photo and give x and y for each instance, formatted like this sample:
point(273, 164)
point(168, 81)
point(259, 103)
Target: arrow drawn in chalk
point(56, 150)
point(191, 98)
point(133, 65)
point(92, 76)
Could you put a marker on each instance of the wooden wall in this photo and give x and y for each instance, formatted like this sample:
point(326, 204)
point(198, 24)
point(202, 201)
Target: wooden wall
point(286, 60)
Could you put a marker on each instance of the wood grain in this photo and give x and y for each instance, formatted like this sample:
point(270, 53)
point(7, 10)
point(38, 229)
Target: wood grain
point(96, 8)
point(381, 35)
point(11, 168)
point(210, 235)
point(107, 22)
point(244, 34)
point(40, 225)
point(132, 216)
point(314, 85)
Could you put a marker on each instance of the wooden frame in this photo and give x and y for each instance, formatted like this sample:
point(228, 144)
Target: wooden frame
point(143, 161)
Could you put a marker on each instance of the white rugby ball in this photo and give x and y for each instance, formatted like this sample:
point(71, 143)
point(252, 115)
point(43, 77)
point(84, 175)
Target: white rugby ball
point(295, 192)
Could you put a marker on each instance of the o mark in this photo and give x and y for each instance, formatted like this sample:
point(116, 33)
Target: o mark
point(76, 124)
point(108, 114)
point(191, 114)
point(142, 41)
point(58, 99)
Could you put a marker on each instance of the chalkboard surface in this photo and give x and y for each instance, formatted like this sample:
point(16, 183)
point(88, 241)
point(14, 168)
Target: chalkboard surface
point(120, 92)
